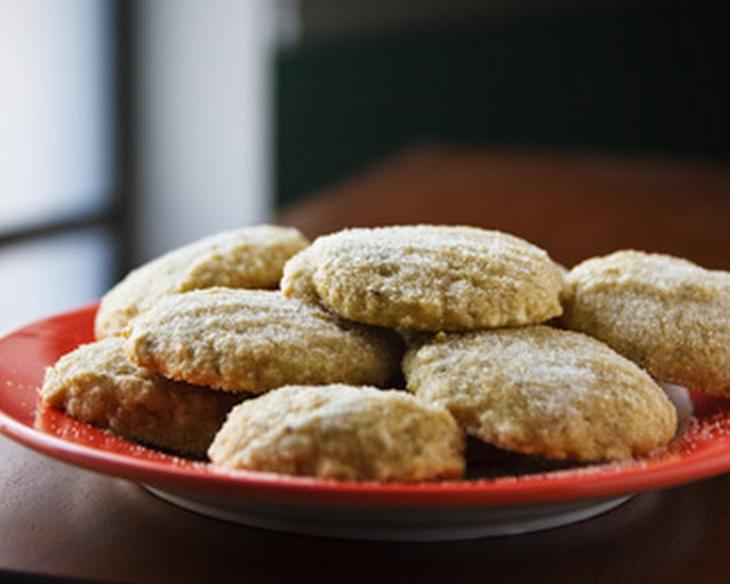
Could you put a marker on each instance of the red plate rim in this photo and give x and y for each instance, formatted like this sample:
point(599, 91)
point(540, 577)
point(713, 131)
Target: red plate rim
point(595, 482)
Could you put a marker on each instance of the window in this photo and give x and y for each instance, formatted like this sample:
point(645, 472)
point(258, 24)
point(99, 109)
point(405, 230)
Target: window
point(58, 207)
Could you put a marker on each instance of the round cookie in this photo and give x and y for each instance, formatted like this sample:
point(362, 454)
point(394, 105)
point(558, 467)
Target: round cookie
point(256, 340)
point(669, 315)
point(427, 277)
point(341, 432)
point(539, 390)
point(96, 383)
point(252, 257)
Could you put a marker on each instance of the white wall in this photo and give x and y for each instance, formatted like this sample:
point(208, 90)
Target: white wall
point(204, 119)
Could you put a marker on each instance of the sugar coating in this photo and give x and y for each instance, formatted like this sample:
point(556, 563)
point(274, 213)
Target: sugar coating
point(539, 390)
point(341, 432)
point(256, 340)
point(666, 314)
point(96, 383)
point(427, 277)
point(251, 257)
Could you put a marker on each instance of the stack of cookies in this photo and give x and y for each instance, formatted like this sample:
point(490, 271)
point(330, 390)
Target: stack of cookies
point(469, 317)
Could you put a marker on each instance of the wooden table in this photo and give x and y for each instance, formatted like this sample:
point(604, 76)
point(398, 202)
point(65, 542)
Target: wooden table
point(575, 206)
point(62, 521)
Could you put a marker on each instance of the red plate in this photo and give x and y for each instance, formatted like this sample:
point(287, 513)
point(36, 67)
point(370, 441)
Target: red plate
point(701, 450)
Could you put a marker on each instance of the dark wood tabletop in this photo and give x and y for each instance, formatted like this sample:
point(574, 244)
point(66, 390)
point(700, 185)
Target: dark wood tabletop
point(574, 206)
point(61, 521)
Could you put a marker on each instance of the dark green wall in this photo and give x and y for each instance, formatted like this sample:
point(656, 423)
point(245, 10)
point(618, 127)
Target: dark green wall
point(648, 78)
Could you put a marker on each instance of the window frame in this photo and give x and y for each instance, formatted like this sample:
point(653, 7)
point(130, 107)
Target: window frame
point(114, 215)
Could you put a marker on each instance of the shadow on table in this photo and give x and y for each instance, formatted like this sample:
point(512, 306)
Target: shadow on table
point(663, 548)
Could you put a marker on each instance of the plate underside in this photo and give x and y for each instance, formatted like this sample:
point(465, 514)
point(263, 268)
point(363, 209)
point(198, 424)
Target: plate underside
point(394, 524)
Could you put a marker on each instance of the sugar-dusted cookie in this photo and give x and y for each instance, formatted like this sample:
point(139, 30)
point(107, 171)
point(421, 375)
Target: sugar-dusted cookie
point(427, 277)
point(96, 383)
point(539, 390)
point(256, 340)
point(669, 315)
point(341, 432)
point(251, 257)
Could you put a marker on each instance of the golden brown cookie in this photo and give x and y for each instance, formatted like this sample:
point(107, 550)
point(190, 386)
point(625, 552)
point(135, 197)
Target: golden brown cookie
point(427, 277)
point(669, 315)
point(96, 383)
point(252, 257)
point(539, 390)
point(341, 432)
point(256, 340)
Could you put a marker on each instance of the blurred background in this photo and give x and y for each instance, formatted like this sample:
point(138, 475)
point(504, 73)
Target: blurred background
point(130, 127)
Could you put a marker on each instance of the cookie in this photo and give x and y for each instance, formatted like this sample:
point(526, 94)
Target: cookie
point(341, 432)
point(256, 340)
point(96, 383)
point(666, 314)
point(427, 277)
point(539, 390)
point(252, 257)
